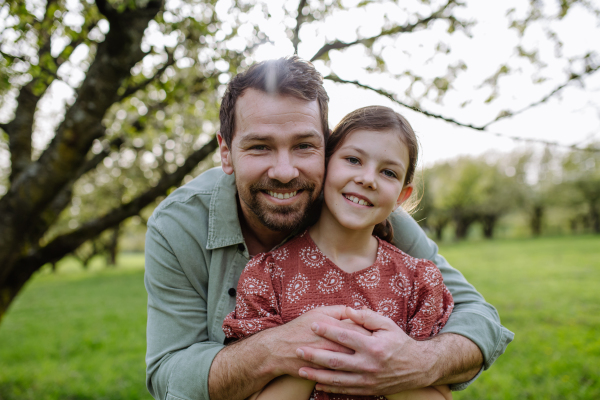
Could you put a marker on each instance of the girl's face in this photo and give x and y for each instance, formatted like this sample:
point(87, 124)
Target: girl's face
point(365, 177)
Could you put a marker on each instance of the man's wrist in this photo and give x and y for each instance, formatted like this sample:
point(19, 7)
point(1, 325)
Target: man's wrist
point(456, 359)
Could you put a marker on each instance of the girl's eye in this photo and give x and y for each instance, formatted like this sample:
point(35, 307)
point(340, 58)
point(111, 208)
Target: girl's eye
point(389, 173)
point(353, 160)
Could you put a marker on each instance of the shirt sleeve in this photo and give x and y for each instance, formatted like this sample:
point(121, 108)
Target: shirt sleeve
point(472, 316)
point(256, 306)
point(430, 303)
point(179, 352)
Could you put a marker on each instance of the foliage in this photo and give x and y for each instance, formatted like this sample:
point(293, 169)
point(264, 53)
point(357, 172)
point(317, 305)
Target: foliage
point(94, 322)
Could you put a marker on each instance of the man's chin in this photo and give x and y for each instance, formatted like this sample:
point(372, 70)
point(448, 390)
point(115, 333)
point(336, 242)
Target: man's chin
point(283, 222)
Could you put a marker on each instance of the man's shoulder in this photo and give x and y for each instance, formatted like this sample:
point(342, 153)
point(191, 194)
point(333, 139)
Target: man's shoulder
point(191, 199)
point(201, 186)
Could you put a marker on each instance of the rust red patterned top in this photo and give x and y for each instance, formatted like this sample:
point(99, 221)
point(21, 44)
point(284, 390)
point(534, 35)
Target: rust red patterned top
point(280, 285)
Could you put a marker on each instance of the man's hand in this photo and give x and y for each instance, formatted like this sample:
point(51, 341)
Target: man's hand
point(387, 361)
point(248, 365)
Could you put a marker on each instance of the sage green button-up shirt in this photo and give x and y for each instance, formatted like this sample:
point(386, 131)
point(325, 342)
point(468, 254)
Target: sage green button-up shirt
point(195, 253)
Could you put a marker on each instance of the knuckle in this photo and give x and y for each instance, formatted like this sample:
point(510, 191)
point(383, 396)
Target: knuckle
point(334, 363)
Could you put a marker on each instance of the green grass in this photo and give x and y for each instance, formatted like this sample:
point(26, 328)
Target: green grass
point(77, 335)
point(81, 334)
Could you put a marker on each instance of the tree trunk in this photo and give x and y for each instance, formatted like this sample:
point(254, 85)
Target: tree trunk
point(595, 218)
point(489, 223)
point(462, 226)
point(112, 247)
point(535, 222)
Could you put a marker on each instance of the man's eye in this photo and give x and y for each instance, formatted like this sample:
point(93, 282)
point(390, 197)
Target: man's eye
point(304, 146)
point(353, 160)
point(389, 173)
point(259, 147)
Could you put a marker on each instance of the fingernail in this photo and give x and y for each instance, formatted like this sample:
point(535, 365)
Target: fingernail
point(300, 353)
point(314, 327)
point(303, 375)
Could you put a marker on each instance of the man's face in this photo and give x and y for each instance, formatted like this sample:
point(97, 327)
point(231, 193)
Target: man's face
point(278, 156)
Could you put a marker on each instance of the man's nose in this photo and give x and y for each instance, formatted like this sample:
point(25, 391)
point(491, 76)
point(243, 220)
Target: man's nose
point(283, 169)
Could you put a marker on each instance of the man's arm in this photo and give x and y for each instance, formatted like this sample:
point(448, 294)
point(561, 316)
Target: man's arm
point(179, 353)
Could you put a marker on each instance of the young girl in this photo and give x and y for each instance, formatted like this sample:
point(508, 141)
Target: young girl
point(371, 160)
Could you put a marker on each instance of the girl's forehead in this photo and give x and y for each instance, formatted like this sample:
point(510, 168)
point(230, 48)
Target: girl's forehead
point(385, 145)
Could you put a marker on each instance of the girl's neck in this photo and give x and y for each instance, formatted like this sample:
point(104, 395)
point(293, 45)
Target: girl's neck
point(350, 249)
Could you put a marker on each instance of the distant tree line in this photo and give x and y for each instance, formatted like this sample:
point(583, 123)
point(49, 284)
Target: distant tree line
point(459, 193)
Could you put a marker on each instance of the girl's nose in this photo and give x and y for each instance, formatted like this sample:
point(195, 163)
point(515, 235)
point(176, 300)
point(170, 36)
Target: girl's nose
point(367, 179)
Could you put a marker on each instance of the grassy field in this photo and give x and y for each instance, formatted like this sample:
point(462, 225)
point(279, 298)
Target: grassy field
point(81, 334)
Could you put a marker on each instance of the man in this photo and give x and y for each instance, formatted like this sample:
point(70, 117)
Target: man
point(272, 143)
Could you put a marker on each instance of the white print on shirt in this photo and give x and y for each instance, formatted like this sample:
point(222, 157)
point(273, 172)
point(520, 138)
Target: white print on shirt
point(400, 285)
point(388, 307)
point(332, 282)
point(280, 254)
point(250, 327)
point(253, 286)
point(369, 279)
point(312, 257)
point(410, 262)
point(297, 287)
point(358, 302)
point(432, 275)
point(383, 257)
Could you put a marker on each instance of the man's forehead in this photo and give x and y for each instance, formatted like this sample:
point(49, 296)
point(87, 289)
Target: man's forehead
point(257, 107)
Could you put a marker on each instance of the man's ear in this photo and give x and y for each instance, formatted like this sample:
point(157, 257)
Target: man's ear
point(404, 195)
point(226, 163)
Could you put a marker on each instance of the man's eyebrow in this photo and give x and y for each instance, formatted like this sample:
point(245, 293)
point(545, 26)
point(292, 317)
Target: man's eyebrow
point(257, 137)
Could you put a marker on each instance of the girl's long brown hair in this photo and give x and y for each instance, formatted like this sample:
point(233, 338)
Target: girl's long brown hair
point(377, 118)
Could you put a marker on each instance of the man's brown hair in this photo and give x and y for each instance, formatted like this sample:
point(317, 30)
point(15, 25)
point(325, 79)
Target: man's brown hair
point(285, 76)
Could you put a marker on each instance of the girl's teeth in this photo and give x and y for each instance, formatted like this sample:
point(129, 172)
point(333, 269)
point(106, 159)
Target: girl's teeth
point(362, 203)
point(354, 199)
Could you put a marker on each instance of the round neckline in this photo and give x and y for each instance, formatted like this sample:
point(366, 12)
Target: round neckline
point(335, 266)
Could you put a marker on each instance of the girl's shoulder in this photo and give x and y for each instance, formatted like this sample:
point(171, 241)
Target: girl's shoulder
point(389, 252)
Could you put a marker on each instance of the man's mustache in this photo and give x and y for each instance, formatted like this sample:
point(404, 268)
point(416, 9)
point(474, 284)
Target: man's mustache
point(274, 185)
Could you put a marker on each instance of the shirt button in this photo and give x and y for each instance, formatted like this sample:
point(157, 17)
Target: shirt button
point(241, 247)
point(231, 292)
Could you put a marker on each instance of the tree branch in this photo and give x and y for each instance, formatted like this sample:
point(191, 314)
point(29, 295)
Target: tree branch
point(299, 20)
point(423, 22)
point(573, 77)
point(481, 128)
point(132, 89)
point(69, 242)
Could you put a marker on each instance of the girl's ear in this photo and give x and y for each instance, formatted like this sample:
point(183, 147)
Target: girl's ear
point(404, 195)
point(226, 163)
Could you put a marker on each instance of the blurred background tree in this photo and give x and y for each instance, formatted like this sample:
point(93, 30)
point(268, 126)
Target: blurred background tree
point(144, 79)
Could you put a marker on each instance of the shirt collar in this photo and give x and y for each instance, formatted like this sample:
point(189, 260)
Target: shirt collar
point(223, 223)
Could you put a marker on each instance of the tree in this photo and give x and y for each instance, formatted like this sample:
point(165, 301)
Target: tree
point(582, 179)
point(145, 78)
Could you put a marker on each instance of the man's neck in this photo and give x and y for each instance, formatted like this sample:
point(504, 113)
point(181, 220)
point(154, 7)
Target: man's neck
point(258, 238)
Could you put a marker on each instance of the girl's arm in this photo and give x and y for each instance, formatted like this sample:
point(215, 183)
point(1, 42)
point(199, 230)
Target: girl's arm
point(285, 387)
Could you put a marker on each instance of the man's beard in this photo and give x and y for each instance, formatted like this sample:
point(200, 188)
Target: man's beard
point(281, 218)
